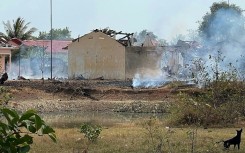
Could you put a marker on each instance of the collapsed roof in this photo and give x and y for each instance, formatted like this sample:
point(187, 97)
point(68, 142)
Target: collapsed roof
point(125, 40)
point(4, 43)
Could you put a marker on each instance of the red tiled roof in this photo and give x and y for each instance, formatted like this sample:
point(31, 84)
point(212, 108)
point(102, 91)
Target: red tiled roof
point(5, 44)
point(57, 45)
point(15, 41)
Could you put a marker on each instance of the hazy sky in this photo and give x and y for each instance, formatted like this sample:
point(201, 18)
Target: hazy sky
point(166, 18)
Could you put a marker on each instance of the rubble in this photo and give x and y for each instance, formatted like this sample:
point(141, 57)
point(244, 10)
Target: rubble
point(99, 78)
point(81, 77)
point(22, 78)
point(126, 40)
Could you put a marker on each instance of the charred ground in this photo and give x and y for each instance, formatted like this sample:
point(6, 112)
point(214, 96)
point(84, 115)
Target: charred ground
point(88, 95)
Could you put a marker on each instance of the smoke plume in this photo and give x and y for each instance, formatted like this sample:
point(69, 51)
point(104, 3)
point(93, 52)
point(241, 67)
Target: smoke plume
point(220, 52)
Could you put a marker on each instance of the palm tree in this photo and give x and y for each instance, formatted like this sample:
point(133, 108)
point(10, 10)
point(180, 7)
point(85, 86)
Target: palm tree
point(19, 29)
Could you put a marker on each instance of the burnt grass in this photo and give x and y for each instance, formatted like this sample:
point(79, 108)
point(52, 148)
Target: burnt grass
point(94, 89)
point(91, 95)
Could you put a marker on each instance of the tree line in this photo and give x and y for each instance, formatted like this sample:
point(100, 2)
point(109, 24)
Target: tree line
point(20, 29)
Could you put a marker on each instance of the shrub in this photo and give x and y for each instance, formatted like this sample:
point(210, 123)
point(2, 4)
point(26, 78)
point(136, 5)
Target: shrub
point(91, 131)
point(222, 102)
point(5, 96)
point(157, 137)
point(15, 134)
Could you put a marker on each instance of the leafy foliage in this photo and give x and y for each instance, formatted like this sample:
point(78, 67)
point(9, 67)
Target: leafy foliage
point(91, 131)
point(220, 22)
point(15, 133)
point(141, 36)
point(18, 29)
point(222, 102)
point(57, 34)
point(221, 99)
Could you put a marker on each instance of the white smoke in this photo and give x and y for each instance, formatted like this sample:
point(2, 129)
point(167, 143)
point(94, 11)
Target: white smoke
point(150, 78)
point(34, 66)
point(225, 47)
point(223, 51)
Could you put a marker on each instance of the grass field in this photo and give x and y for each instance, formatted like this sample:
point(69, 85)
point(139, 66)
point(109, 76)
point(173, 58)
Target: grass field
point(140, 137)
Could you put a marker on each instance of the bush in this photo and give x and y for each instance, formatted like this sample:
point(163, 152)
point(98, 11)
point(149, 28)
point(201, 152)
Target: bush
point(91, 131)
point(15, 133)
point(222, 102)
point(155, 135)
point(5, 96)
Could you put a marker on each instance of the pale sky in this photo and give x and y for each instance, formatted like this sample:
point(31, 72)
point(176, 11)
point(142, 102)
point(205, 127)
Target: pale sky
point(165, 18)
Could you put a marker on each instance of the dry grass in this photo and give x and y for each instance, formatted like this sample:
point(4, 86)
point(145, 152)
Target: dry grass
point(133, 138)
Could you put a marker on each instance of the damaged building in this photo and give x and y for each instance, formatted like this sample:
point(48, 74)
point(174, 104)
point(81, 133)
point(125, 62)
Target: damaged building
point(5, 55)
point(100, 54)
point(176, 59)
point(104, 54)
point(34, 61)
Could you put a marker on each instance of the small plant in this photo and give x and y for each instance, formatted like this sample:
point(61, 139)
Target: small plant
point(192, 134)
point(15, 134)
point(5, 96)
point(157, 136)
point(219, 101)
point(91, 131)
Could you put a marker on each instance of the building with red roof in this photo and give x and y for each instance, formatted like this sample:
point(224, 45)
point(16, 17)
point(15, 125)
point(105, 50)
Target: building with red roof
point(5, 53)
point(33, 63)
point(57, 45)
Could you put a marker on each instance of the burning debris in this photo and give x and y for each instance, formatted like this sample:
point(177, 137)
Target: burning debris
point(22, 78)
point(99, 78)
point(150, 79)
point(81, 77)
point(173, 65)
point(218, 53)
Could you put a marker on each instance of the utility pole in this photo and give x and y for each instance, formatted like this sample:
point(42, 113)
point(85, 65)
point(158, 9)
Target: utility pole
point(51, 40)
point(19, 61)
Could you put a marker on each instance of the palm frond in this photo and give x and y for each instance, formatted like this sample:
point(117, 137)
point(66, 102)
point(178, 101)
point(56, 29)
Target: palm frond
point(19, 29)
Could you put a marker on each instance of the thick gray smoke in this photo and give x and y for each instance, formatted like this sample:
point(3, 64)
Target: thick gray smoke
point(224, 47)
point(220, 52)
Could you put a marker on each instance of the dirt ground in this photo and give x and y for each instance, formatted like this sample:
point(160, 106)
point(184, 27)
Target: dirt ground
point(87, 95)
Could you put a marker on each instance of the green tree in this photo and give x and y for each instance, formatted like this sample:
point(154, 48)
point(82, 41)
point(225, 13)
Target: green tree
point(57, 34)
point(142, 35)
point(224, 21)
point(5, 96)
point(91, 132)
point(18, 29)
